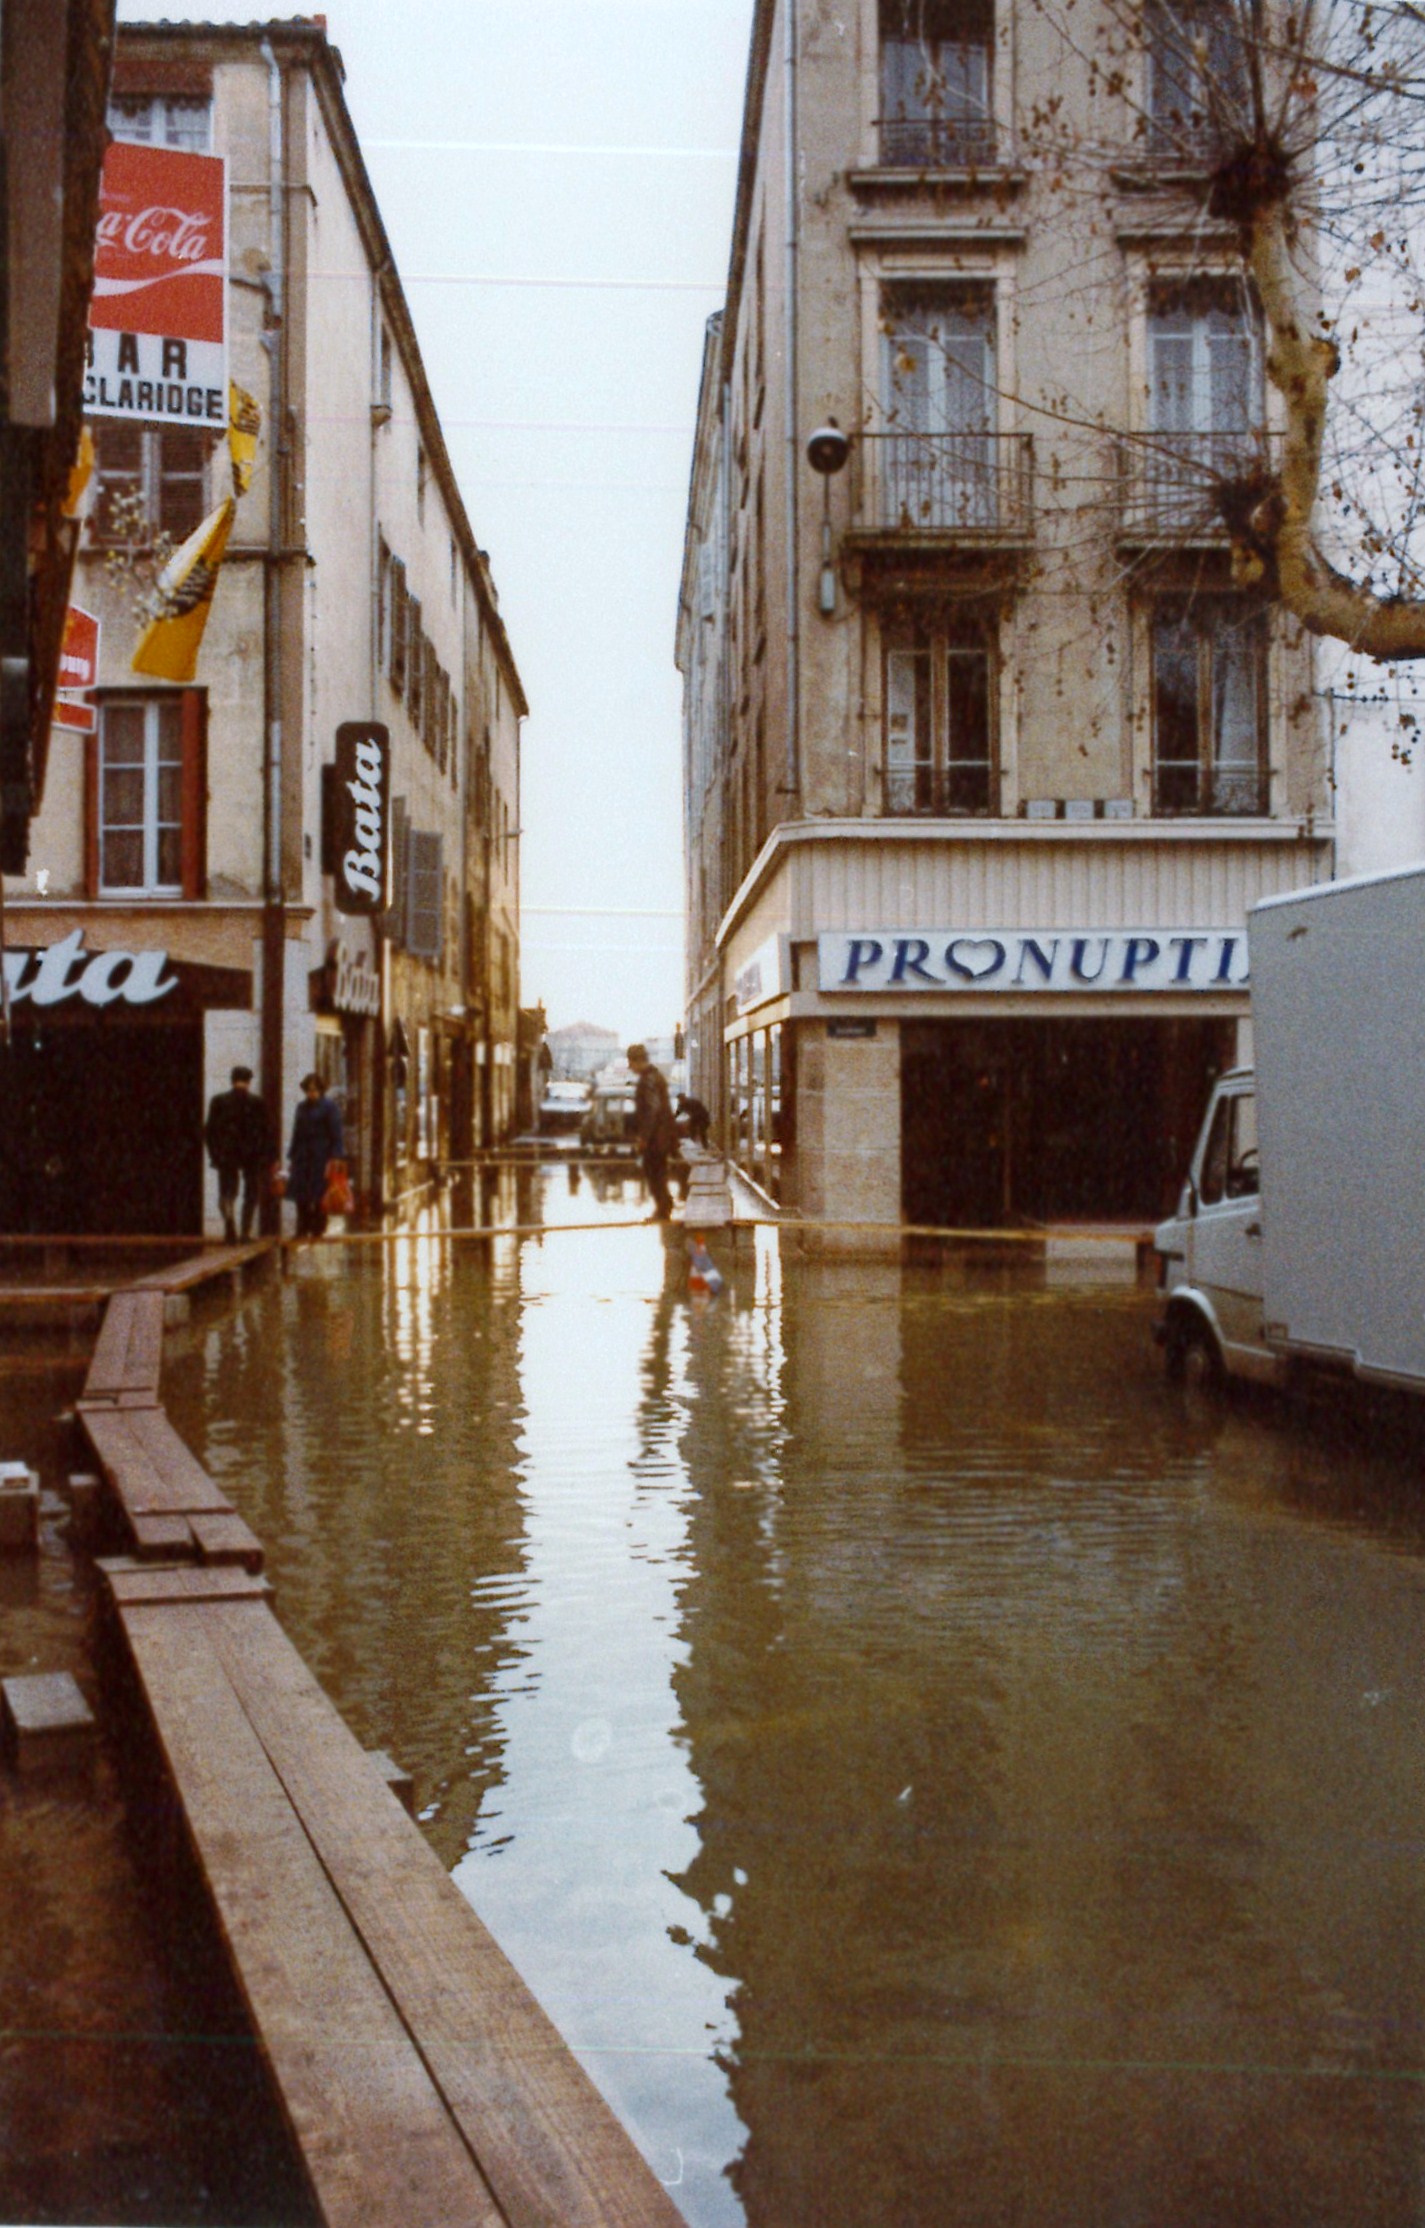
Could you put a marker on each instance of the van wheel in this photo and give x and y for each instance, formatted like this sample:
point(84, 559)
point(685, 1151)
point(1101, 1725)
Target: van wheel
point(1194, 1359)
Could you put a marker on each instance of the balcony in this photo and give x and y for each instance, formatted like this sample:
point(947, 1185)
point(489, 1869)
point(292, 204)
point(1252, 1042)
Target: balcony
point(1170, 485)
point(945, 490)
point(937, 143)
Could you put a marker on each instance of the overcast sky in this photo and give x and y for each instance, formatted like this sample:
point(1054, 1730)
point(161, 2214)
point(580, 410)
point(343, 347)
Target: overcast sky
point(533, 142)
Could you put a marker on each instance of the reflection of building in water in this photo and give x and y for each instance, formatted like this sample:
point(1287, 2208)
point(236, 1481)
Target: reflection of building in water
point(368, 1429)
point(1009, 1811)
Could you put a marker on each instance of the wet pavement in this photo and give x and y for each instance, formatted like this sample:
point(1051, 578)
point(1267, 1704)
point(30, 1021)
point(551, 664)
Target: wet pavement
point(929, 1770)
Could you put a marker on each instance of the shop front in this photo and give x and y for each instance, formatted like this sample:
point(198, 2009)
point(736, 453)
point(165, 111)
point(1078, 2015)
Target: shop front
point(1040, 1076)
point(102, 1082)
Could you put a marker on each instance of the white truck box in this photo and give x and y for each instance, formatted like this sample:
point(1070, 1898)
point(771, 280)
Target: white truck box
point(1338, 1023)
point(1300, 1235)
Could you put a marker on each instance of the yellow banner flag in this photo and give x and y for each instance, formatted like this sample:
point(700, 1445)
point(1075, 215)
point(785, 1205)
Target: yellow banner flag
point(244, 425)
point(79, 473)
point(168, 648)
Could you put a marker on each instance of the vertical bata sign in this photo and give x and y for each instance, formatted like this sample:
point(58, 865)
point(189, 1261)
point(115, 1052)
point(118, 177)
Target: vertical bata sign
point(157, 332)
point(361, 844)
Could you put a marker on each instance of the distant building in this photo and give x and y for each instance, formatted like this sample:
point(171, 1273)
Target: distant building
point(580, 1050)
point(181, 902)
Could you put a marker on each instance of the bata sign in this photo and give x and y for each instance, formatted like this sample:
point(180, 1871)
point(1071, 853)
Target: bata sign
point(361, 835)
point(66, 970)
point(1055, 959)
point(157, 338)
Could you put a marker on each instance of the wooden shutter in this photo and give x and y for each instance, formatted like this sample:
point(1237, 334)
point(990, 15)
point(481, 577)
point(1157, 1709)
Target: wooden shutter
point(426, 890)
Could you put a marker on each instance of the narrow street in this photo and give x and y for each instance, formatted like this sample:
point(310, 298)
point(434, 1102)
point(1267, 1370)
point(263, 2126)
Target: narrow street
point(911, 1752)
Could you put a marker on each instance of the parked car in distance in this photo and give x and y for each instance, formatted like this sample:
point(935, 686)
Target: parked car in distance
point(607, 1126)
point(562, 1108)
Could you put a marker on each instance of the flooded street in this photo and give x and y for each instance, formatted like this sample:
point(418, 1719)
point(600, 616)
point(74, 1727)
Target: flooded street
point(928, 1771)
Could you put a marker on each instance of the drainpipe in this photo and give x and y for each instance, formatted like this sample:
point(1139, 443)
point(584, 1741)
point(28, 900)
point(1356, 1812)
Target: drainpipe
point(378, 1035)
point(794, 703)
point(274, 932)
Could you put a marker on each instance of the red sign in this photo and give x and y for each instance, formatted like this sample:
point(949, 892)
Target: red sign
point(78, 670)
point(79, 652)
point(156, 321)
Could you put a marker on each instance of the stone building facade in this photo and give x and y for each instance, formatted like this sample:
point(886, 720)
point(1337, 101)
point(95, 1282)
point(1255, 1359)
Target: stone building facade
point(985, 756)
point(196, 821)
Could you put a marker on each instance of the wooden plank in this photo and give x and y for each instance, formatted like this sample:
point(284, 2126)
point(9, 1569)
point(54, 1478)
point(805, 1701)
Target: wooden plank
point(549, 2146)
point(227, 1539)
point(145, 1343)
point(181, 1276)
point(128, 1352)
point(378, 2146)
point(184, 1478)
point(148, 1466)
point(162, 1536)
point(111, 1349)
point(133, 1586)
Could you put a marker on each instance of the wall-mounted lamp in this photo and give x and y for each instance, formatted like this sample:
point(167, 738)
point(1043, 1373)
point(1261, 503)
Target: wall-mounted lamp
point(827, 451)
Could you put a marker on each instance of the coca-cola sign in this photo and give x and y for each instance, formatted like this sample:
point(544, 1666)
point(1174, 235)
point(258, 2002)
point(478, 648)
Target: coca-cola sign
point(157, 333)
point(361, 833)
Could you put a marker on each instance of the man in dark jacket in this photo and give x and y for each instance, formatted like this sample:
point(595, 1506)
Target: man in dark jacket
point(238, 1136)
point(694, 1119)
point(653, 1122)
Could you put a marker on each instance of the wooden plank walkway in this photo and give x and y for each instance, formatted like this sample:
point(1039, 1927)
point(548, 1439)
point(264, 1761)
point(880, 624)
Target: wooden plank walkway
point(421, 2080)
point(170, 1505)
point(130, 1347)
point(183, 1276)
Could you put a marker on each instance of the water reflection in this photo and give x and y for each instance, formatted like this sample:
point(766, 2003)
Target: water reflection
point(926, 1769)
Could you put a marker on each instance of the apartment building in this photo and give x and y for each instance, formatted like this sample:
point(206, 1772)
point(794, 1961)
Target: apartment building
point(986, 756)
point(186, 904)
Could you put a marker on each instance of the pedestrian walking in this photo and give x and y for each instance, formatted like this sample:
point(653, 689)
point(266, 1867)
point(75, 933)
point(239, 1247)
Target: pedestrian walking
point(655, 1128)
point(239, 1139)
point(316, 1140)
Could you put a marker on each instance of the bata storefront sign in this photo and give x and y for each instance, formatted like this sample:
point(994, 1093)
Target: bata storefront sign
point(66, 971)
point(361, 836)
point(1043, 960)
point(157, 331)
point(356, 986)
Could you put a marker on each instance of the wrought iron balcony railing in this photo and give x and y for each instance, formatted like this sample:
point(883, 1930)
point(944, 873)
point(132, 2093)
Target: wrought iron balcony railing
point(1170, 484)
point(948, 486)
point(938, 142)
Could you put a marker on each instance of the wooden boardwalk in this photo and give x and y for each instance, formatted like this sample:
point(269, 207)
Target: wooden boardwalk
point(421, 2082)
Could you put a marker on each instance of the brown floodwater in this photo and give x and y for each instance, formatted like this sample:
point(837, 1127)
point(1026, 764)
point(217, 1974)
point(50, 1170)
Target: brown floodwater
point(930, 1771)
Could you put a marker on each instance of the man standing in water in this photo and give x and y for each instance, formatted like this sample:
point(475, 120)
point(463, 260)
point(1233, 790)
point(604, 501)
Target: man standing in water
point(657, 1132)
point(238, 1136)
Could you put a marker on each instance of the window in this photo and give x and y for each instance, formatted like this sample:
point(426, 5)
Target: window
point(146, 796)
point(1206, 405)
point(1209, 721)
point(148, 480)
point(938, 457)
point(1196, 75)
point(1204, 362)
point(936, 83)
point(1231, 1166)
point(163, 120)
point(939, 725)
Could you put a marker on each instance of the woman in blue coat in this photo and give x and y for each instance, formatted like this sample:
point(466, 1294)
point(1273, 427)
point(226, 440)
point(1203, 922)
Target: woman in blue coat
point(316, 1139)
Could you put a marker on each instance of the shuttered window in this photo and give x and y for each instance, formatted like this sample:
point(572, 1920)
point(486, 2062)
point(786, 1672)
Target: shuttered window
point(425, 889)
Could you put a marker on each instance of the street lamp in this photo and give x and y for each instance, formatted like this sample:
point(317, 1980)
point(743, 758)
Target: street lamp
point(827, 451)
